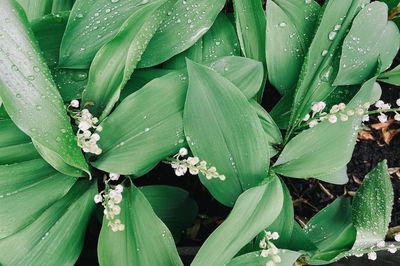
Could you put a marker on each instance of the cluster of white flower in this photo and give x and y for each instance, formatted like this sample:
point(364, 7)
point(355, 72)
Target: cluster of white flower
point(337, 112)
point(110, 198)
point(342, 112)
point(386, 107)
point(194, 165)
point(269, 249)
point(372, 255)
point(85, 121)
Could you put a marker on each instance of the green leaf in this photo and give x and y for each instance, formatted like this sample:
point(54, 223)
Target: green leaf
point(188, 21)
point(290, 28)
point(332, 230)
point(29, 94)
point(250, 26)
point(145, 240)
point(36, 8)
point(319, 68)
point(155, 128)
point(361, 48)
point(220, 40)
point(325, 149)
point(272, 132)
point(84, 36)
point(108, 77)
point(222, 128)
point(254, 210)
point(173, 206)
point(391, 3)
point(54, 235)
point(288, 258)
point(391, 77)
point(284, 223)
point(49, 31)
point(372, 207)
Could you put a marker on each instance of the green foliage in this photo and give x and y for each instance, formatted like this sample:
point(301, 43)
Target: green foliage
point(137, 245)
point(181, 82)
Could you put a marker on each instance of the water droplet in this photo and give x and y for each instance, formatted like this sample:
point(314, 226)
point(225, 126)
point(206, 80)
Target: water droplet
point(324, 52)
point(18, 95)
point(146, 129)
point(337, 27)
point(14, 67)
point(80, 76)
point(217, 43)
point(332, 35)
point(82, 49)
point(36, 69)
point(38, 107)
point(326, 74)
point(282, 24)
point(114, 1)
point(108, 10)
point(308, 1)
point(31, 77)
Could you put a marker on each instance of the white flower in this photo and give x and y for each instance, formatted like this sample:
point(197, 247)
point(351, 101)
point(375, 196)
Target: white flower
point(116, 209)
point(318, 107)
point(350, 112)
point(342, 106)
point(397, 117)
point(117, 199)
point(270, 263)
point(313, 123)
point(398, 102)
point(382, 118)
point(274, 250)
point(114, 176)
point(193, 160)
point(335, 109)
point(275, 235)
point(372, 255)
point(99, 128)
point(87, 134)
point(180, 170)
point(263, 244)
point(380, 244)
point(392, 249)
point(98, 198)
point(332, 119)
point(119, 188)
point(193, 171)
point(183, 151)
point(379, 104)
point(264, 253)
point(397, 237)
point(307, 117)
point(95, 137)
point(74, 103)
point(83, 125)
point(386, 106)
point(344, 117)
point(365, 118)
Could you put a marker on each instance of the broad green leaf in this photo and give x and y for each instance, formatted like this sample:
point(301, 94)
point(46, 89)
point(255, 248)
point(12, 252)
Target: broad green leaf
point(361, 48)
point(332, 230)
point(272, 132)
point(319, 68)
point(186, 23)
point(391, 3)
point(290, 28)
point(173, 206)
point(391, 76)
point(219, 41)
point(108, 77)
point(141, 78)
point(372, 207)
point(36, 8)
point(284, 223)
point(325, 149)
point(29, 93)
point(61, 5)
point(222, 128)
point(92, 24)
point(288, 258)
point(49, 31)
point(149, 121)
point(145, 240)
point(54, 236)
point(250, 27)
point(254, 210)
